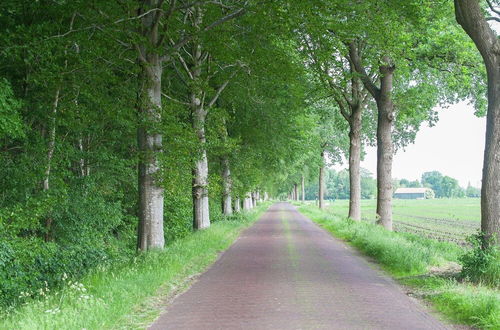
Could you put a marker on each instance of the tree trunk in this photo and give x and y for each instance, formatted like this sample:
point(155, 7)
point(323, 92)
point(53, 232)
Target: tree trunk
point(150, 146)
point(303, 189)
point(321, 192)
point(490, 190)
point(247, 202)
point(81, 162)
point(296, 192)
point(226, 186)
point(52, 140)
point(150, 229)
point(201, 216)
point(254, 199)
point(50, 154)
point(470, 16)
point(354, 163)
point(385, 119)
point(237, 205)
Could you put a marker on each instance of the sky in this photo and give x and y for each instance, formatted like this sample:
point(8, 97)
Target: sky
point(454, 147)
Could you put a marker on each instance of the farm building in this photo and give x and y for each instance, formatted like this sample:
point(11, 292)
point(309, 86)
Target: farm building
point(413, 193)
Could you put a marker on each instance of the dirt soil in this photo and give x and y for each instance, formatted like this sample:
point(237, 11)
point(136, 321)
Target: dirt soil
point(287, 273)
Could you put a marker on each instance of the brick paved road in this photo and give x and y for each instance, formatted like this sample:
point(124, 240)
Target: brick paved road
point(287, 273)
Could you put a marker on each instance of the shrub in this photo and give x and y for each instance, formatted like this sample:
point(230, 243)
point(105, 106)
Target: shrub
point(481, 264)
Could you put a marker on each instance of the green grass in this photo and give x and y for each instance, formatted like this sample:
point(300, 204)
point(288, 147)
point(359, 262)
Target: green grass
point(402, 254)
point(464, 209)
point(451, 220)
point(410, 259)
point(133, 295)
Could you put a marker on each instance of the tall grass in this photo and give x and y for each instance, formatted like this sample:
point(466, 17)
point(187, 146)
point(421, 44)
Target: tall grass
point(402, 254)
point(409, 257)
point(129, 296)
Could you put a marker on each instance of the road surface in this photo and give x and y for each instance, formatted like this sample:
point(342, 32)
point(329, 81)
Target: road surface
point(287, 273)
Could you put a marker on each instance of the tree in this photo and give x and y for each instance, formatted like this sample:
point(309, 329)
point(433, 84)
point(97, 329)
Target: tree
point(407, 82)
point(471, 17)
point(433, 180)
point(472, 192)
point(152, 56)
point(385, 118)
point(336, 72)
point(450, 188)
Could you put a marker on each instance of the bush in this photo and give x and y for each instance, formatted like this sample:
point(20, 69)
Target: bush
point(29, 267)
point(481, 264)
point(87, 230)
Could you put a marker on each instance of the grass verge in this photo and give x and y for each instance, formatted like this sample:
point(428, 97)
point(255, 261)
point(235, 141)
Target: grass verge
point(410, 259)
point(133, 295)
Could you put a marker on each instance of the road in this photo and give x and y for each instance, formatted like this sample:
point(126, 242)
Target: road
point(287, 273)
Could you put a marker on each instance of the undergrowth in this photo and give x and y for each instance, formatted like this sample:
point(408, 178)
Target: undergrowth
point(481, 264)
point(128, 296)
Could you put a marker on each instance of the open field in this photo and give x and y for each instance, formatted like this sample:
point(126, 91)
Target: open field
point(449, 220)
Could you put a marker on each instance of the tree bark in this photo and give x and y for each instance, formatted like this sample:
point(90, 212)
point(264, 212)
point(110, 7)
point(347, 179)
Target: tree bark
point(81, 162)
point(385, 148)
point(321, 191)
point(470, 16)
point(150, 146)
point(237, 205)
point(296, 192)
point(150, 230)
point(201, 216)
point(354, 163)
point(226, 186)
point(303, 186)
point(385, 118)
point(247, 202)
point(52, 140)
point(50, 154)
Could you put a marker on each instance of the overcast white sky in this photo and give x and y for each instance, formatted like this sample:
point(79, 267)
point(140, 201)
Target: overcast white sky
point(454, 147)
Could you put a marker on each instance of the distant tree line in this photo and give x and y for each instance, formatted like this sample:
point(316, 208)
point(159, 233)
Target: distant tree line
point(443, 186)
point(337, 185)
point(447, 187)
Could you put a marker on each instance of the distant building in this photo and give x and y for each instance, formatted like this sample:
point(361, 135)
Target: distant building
point(413, 193)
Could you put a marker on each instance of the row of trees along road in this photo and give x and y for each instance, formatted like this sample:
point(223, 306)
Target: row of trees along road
point(392, 64)
point(138, 121)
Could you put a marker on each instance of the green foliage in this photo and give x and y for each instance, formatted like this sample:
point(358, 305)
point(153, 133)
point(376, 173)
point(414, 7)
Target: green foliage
point(473, 192)
point(481, 263)
point(90, 232)
point(69, 84)
point(126, 294)
point(409, 184)
point(11, 124)
point(443, 186)
point(337, 185)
